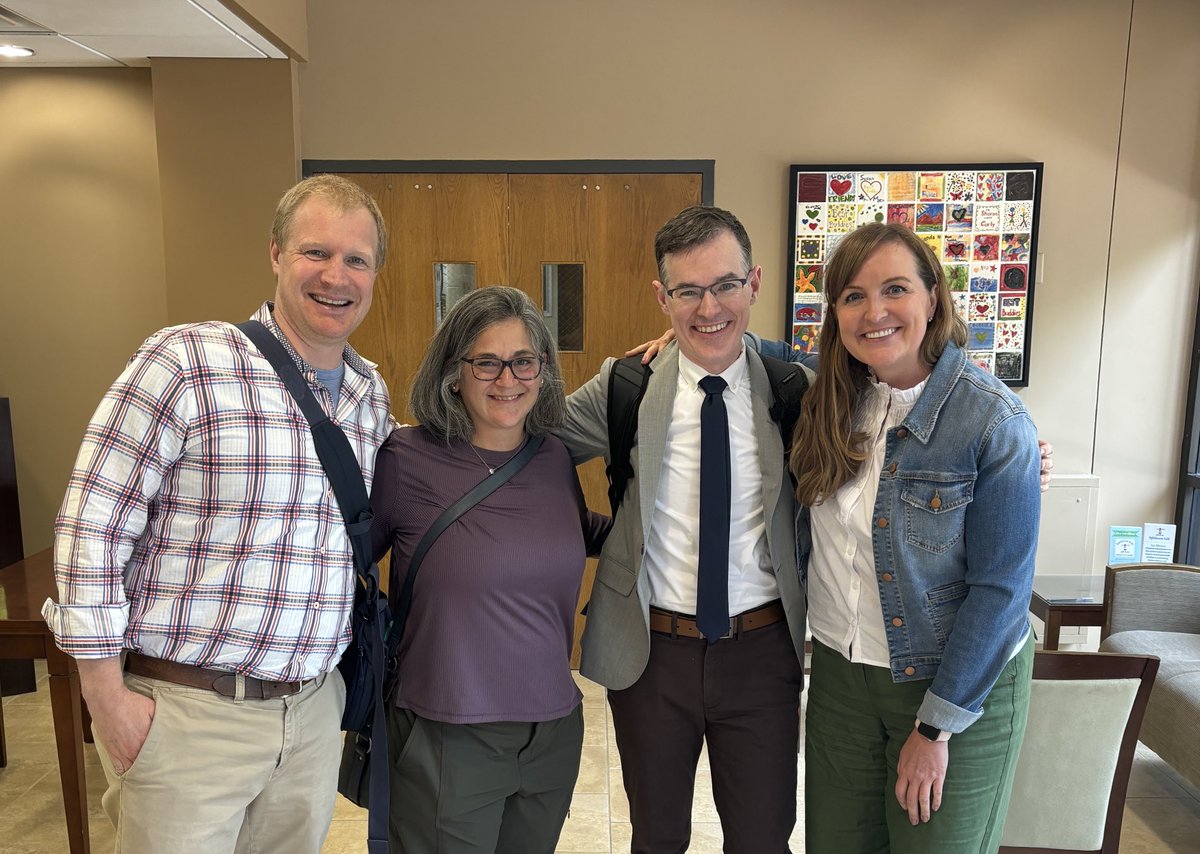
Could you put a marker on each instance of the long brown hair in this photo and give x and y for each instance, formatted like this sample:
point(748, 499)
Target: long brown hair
point(826, 452)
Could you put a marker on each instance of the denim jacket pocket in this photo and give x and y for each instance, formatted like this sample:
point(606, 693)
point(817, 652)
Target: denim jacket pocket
point(934, 512)
point(943, 603)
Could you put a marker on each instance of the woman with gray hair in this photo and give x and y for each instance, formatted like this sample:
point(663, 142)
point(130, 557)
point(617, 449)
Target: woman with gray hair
point(486, 729)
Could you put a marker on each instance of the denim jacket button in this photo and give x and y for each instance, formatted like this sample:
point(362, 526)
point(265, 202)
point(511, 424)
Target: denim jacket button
point(902, 432)
point(909, 671)
point(892, 468)
point(897, 622)
point(883, 523)
point(887, 576)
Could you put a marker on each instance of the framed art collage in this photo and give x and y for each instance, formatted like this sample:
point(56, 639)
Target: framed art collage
point(980, 220)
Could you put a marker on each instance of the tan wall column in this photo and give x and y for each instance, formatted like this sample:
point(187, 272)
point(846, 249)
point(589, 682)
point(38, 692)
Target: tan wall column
point(227, 150)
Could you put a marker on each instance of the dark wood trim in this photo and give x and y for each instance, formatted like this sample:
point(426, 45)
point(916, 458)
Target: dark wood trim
point(706, 169)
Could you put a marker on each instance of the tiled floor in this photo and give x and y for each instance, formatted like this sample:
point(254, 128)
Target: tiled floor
point(1161, 815)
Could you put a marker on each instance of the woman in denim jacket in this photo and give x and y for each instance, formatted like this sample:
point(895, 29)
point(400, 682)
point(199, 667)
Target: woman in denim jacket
point(919, 474)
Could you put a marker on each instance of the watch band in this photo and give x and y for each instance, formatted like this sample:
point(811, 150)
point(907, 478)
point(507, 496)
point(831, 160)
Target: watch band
point(931, 733)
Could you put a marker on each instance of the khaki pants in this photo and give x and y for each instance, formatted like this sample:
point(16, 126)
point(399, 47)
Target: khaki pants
point(216, 775)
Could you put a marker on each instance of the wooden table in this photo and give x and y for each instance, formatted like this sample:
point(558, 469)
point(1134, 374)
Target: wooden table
point(25, 585)
point(1067, 600)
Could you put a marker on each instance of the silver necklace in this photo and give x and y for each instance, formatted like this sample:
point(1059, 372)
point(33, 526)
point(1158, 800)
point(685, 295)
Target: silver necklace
point(492, 469)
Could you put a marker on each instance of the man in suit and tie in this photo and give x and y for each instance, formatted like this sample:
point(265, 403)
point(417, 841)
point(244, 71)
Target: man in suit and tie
point(696, 621)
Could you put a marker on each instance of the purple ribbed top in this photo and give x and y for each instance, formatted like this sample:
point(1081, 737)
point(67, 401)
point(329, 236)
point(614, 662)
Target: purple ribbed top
point(493, 612)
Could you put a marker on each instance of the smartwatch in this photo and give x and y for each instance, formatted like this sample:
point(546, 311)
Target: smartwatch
point(931, 733)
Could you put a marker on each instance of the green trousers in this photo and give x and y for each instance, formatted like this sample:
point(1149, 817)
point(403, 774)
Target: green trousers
point(857, 721)
point(488, 788)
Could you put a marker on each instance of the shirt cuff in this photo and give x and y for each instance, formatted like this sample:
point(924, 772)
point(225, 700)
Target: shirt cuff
point(87, 631)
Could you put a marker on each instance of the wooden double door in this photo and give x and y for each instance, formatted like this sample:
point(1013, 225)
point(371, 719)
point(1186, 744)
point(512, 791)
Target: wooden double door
point(509, 226)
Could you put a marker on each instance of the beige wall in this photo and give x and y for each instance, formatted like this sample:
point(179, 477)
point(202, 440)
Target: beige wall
point(283, 22)
point(759, 85)
point(227, 151)
point(85, 275)
point(81, 260)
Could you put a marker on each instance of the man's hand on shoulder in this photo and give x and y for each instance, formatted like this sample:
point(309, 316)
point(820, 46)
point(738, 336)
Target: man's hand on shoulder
point(120, 717)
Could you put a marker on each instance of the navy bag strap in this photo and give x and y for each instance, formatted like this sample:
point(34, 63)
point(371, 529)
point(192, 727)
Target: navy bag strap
point(345, 476)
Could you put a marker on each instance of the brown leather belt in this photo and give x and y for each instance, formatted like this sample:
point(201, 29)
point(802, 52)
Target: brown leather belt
point(684, 625)
point(223, 682)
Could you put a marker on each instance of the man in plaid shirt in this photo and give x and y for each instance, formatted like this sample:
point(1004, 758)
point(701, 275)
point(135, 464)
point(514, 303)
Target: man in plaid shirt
point(200, 536)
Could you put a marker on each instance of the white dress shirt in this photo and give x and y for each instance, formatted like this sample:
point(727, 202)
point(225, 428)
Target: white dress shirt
point(672, 544)
point(844, 610)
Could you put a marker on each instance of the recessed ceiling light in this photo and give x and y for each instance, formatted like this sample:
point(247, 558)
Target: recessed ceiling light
point(13, 50)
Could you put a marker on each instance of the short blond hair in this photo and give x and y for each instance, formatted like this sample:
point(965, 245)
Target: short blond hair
point(340, 192)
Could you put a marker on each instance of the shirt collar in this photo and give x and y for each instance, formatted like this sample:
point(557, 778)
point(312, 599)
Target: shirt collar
point(734, 375)
point(265, 315)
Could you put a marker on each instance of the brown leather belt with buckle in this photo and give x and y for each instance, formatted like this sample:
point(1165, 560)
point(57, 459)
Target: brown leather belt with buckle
point(223, 682)
point(684, 625)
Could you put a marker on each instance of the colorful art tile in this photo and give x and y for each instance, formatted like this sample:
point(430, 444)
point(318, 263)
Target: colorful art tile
point(981, 336)
point(1017, 216)
point(1015, 248)
point(1009, 366)
point(962, 304)
point(810, 187)
point(841, 187)
point(872, 186)
point(902, 186)
point(1014, 277)
point(959, 216)
point(956, 249)
point(989, 187)
point(1010, 336)
point(808, 312)
point(804, 337)
point(983, 307)
point(931, 187)
point(905, 214)
point(987, 216)
point(872, 212)
point(985, 247)
point(841, 217)
point(984, 360)
point(933, 241)
point(958, 276)
point(931, 216)
point(960, 186)
point(1012, 308)
point(809, 278)
point(1020, 186)
point(810, 250)
point(810, 218)
point(979, 220)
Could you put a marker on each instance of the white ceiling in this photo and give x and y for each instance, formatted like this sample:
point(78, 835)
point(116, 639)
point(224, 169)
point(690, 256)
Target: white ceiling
point(126, 32)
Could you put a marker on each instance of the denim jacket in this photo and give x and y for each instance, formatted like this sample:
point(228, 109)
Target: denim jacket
point(956, 524)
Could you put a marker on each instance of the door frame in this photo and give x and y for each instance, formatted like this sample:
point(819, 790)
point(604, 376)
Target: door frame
point(706, 169)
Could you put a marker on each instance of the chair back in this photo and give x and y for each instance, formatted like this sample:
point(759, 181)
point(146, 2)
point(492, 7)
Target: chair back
point(1158, 596)
point(1085, 712)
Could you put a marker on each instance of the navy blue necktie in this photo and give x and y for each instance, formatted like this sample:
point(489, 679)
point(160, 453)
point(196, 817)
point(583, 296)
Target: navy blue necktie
point(712, 590)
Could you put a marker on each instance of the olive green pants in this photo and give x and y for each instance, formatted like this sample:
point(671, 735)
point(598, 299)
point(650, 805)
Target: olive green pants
point(858, 720)
point(487, 788)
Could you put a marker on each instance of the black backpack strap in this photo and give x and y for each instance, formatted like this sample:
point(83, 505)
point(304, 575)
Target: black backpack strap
point(788, 384)
point(626, 387)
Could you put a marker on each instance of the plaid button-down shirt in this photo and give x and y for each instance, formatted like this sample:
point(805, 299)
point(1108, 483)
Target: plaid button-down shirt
point(198, 524)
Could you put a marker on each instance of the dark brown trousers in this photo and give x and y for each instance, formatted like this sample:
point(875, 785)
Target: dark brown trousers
point(742, 697)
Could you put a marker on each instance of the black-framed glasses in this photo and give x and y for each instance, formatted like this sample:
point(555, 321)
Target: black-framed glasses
point(725, 290)
point(490, 368)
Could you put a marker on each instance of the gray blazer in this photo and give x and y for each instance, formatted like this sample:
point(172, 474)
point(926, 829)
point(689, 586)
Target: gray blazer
point(616, 640)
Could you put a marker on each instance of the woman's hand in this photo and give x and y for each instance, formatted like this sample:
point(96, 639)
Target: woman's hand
point(652, 348)
point(1047, 452)
point(920, 774)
